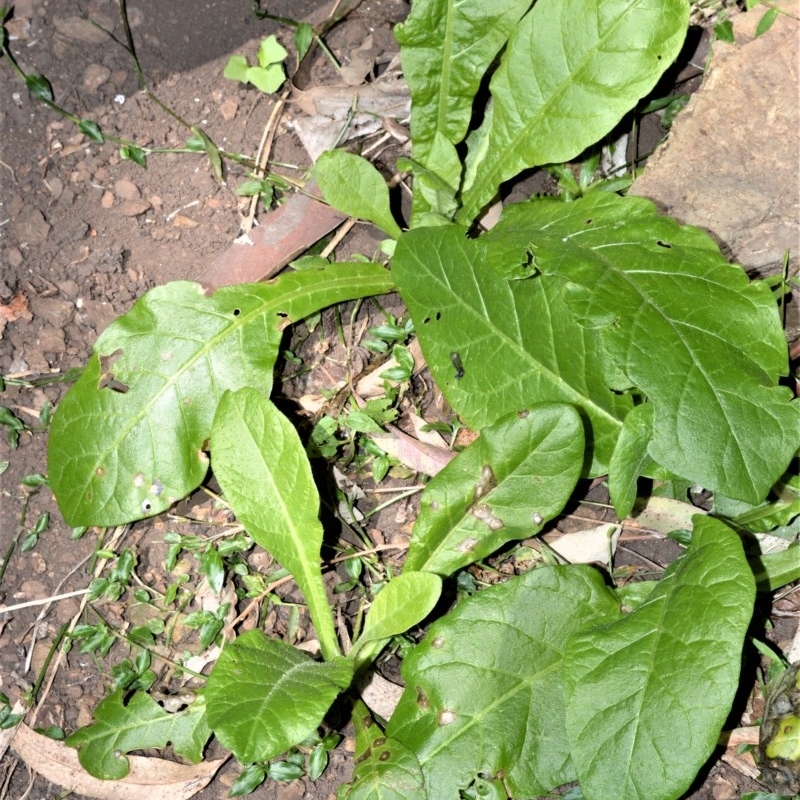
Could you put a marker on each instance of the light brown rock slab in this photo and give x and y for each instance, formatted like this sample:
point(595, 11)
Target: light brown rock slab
point(731, 164)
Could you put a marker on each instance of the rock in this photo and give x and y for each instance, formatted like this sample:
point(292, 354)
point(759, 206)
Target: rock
point(94, 76)
point(107, 200)
point(80, 30)
point(51, 340)
point(126, 190)
point(228, 109)
point(133, 208)
point(15, 257)
point(53, 310)
point(31, 226)
point(730, 163)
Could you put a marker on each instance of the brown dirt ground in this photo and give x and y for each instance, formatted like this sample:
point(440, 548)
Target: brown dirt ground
point(82, 235)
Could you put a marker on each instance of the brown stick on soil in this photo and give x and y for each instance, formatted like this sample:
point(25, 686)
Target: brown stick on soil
point(283, 235)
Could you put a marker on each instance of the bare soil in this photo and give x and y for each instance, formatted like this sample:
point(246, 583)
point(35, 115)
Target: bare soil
point(83, 234)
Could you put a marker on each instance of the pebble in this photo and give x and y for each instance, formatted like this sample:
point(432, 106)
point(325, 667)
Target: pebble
point(133, 208)
point(31, 226)
point(126, 190)
point(80, 30)
point(53, 310)
point(228, 109)
point(56, 187)
point(15, 257)
point(107, 200)
point(94, 76)
point(51, 340)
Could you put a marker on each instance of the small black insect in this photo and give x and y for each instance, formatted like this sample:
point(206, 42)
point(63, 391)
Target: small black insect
point(455, 358)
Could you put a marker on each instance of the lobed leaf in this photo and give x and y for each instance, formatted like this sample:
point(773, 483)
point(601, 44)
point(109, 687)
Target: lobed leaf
point(484, 691)
point(677, 321)
point(496, 345)
point(127, 440)
point(562, 58)
point(264, 696)
point(517, 475)
point(263, 470)
point(646, 696)
point(138, 725)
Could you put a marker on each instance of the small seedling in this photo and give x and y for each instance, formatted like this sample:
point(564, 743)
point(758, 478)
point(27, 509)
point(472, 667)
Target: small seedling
point(267, 74)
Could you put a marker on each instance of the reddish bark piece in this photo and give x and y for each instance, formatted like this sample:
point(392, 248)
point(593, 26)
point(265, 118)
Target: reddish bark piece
point(283, 235)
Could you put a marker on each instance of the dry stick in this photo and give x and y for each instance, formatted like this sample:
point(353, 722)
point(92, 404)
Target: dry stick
point(254, 602)
point(51, 599)
point(264, 149)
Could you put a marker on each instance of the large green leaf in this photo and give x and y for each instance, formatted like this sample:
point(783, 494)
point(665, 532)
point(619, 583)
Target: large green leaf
point(484, 690)
point(446, 47)
point(138, 725)
point(517, 475)
point(384, 768)
point(264, 696)
point(570, 72)
point(681, 324)
point(495, 345)
point(647, 695)
point(127, 440)
point(263, 470)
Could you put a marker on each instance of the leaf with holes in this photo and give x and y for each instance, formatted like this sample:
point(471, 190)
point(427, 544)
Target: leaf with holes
point(484, 690)
point(495, 345)
point(138, 725)
point(517, 475)
point(564, 56)
point(647, 695)
point(127, 440)
point(384, 768)
point(678, 322)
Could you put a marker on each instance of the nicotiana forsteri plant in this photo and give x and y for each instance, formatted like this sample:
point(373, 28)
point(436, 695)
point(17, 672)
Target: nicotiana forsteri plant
point(580, 339)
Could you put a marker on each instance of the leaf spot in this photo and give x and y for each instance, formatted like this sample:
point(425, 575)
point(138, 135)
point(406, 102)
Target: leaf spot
point(468, 545)
point(422, 699)
point(237, 311)
point(538, 519)
point(486, 483)
point(384, 756)
point(446, 717)
point(438, 642)
point(156, 488)
point(166, 356)
point(484, 513)
point(138, 480)
point(663, 244)
point(455, 359)
point(99, 472)
point(380, 741)
point(147, 506)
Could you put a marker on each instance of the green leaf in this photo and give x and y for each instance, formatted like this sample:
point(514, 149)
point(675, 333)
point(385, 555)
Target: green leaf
point(517, 475)
point(516, 340)
point(131, 152)
point(39, 87)
point(484, 690)
point(723, 31)
point(630, 458)
point(446, 47)
point(402, 603)
point(139, 725)
point(766, 22)
point(250, 778)
point(647, 695)
point(571, 70)
point(303, 37)
point(92, 130)
point(270, 51)
point(384, 768)
point(267, 79)
point(264, 472)
point(264, 696)
point(775, 570)
point(680, 323)
point(353, 186)
point(236, 69)
point(211, 150)
point(149, 393)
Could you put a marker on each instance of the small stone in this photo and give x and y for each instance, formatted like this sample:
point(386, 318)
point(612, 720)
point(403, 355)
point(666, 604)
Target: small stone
point(228, 109)
point(15, 257)
point(74, 692)
point(51, 340)
point(80, 30)
point(107, 200)
point(38, 563)
point(69, 288)
point(133, 208)
point(53, 310)
point(126, 190)
point(56, 187)
point(31, 226)
point(94, 76)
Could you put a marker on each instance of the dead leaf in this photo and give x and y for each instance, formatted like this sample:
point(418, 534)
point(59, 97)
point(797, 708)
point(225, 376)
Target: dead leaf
point(17, 308)
point(153, 778)
point(592, 546)
point(414, 454)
